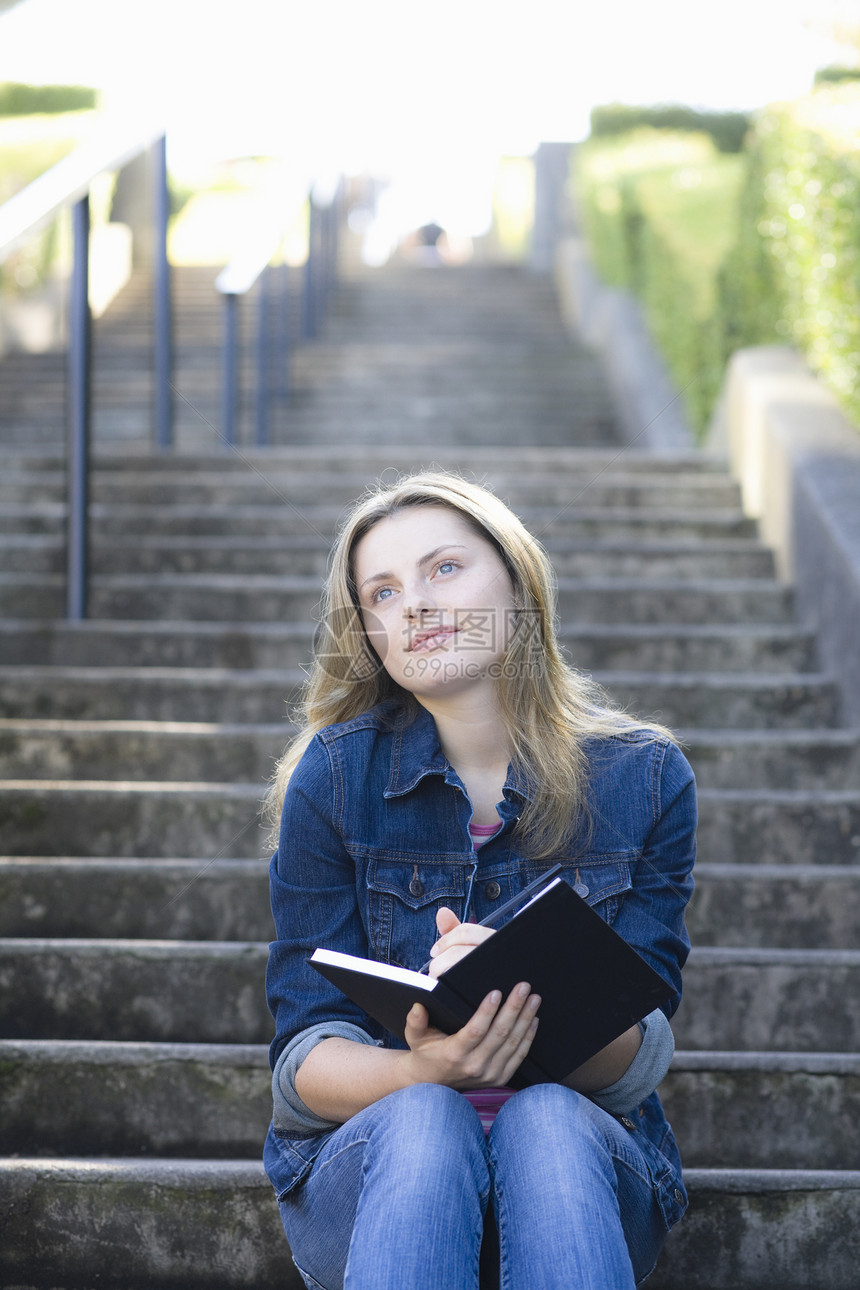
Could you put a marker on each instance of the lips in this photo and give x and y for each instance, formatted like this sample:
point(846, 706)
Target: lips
point(431, 638)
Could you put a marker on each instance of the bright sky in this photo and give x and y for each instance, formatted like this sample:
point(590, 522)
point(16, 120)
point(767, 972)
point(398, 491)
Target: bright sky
point(431, 92)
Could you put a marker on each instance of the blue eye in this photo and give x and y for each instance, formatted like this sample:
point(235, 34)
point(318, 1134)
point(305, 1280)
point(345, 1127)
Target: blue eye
point(447, 564)
point(381, 593)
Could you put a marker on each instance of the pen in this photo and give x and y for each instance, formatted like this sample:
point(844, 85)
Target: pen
point(530, 890)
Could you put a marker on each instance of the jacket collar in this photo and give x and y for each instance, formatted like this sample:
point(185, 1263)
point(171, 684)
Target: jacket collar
point(416, 752)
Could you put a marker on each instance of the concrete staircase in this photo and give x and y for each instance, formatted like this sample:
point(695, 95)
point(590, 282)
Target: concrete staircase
point(134, 748)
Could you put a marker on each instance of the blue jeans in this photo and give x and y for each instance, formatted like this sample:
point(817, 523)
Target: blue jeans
point(397, 1197)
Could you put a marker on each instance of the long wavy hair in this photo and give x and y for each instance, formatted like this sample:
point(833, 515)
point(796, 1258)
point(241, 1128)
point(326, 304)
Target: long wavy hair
point(549, 709)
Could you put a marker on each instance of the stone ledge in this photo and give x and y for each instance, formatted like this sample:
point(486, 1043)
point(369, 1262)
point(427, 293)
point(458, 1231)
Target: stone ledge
point(797, 459)
point(169, 1224)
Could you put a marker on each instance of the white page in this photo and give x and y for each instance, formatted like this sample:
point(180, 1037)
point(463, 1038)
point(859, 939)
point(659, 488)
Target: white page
point(369, 967)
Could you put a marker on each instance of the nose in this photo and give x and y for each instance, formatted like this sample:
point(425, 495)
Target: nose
point(417, 605)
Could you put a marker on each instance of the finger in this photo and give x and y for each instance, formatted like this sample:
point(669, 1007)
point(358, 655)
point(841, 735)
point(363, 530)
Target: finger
point(520, 1053)
point(447, 960)
point(417, 1024)
point(470, 934)
point(512, 1022)
point(446, 920)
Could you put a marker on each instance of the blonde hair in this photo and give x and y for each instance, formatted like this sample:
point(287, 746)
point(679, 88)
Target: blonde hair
point(548, 708)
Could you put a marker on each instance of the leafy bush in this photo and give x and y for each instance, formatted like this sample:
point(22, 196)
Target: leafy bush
point(727, 129)
point(27, 100)
point(727, 251)
point(826, 75)
point(660, 213)
point(794, 274)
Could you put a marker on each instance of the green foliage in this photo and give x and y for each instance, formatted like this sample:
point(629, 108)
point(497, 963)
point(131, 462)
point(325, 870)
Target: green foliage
point(728, 251)
point(660, 212)
point(794, 274)
point(727, 129)
point(830, 75)
point(26, 100)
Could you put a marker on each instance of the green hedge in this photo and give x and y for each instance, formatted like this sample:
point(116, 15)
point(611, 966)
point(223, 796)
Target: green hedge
point(724, 250)
point(794, 274)
point(830, 74)
point(660, 212)
point(727, 129)
point(27, 100)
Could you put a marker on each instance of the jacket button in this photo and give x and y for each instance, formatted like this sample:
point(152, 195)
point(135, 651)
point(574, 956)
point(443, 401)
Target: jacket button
point(679, 1196)
point(581, 890)
point(416, 887)
point(627, 1122)
point(492, 890)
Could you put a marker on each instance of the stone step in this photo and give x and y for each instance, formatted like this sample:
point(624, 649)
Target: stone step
point(165, 750)
point(728, 1110)
point(138, 485)
point(100, 818)
point(774, 759)
point(788, 1000)
point(272, 517)
point(518, 463)
point(254, 598)
point(212, 992)
point(773, 906)
point(766, 906)
point(211, 695)
point(764, 1110)
point(267, 521)
point(43, 518)
point(760, 1229)
point(36, 554)
point(178, 818)
point(194, 1100)
point(215, 1224)
point(148, 899)
point(141, 1225)
point(744, 647)
point(779, 826)
point(44, 748)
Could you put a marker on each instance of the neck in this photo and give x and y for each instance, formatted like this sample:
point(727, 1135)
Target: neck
point(471, 732)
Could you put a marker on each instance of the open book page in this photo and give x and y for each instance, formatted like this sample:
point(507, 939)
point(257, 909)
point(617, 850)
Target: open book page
point(370, 967)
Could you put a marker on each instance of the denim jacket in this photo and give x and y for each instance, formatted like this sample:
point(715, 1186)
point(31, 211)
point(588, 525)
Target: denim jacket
point(374, 839)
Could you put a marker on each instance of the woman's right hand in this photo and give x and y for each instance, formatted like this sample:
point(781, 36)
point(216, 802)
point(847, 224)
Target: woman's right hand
point(485, 1052)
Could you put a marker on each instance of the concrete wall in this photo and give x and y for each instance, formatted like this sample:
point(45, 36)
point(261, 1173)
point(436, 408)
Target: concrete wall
point(798, 462)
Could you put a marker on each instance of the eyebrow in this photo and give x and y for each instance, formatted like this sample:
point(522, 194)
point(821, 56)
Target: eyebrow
point(425, 559)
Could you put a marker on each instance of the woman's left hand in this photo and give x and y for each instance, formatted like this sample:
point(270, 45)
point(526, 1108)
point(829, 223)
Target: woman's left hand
point(456, 939)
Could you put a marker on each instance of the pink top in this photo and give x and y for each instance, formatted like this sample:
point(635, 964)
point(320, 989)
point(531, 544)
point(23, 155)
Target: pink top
point(486, 1101)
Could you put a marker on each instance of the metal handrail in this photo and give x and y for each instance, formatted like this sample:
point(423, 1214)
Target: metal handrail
point(68, 184)
point(250, 266)
point(68, 181)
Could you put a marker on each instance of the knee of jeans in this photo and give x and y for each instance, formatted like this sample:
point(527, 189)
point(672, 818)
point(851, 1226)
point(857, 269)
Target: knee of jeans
point(432, 1105)
point(426, 1118)
point(543, 1108)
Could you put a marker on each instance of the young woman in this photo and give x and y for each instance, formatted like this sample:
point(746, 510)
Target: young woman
point(448, 755)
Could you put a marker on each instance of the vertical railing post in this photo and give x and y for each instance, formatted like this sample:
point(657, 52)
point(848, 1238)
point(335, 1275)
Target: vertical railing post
point(230, 382)
point(79, 406)
point(311, 273)
point(162, 321)
point(261, 418)
point(284, 345)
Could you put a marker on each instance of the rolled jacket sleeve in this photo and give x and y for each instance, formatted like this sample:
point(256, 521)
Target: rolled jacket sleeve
point(312, 884)
point(291, 1116)
point(647, 1069)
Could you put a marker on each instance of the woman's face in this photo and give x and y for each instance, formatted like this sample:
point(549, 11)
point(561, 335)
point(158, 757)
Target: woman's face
point(436, 600)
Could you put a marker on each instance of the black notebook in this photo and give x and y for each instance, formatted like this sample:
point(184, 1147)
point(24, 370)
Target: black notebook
point(593, 985)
